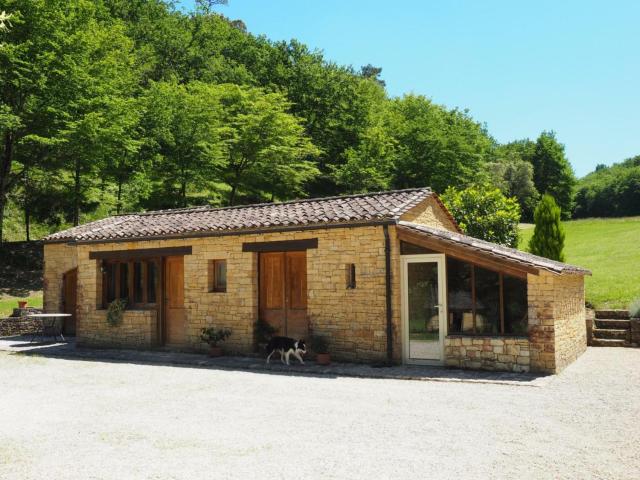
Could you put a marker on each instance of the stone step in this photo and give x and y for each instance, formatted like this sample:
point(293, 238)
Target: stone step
point(605, 342)
point(611, 333)
point(612, 314)
point(609, 323)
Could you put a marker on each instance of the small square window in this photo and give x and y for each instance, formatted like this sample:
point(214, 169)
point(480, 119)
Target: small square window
point(350, 270)
point(217, 275)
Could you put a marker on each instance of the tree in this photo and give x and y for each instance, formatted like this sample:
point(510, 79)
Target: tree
point(552, 171)
point(267, 154)
point(183, 128)
point(548, 236)
point(436, 147)
point(512, 172)
point(483, 212)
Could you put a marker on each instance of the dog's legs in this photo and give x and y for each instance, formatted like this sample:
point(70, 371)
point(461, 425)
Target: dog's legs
point(282, 356)
point(299, 357)
point(287, 355)
point(269, 357)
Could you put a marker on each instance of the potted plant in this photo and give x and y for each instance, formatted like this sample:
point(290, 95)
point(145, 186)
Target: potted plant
point(320, 345)
point(263, 332)
point(212, 336)
point(22, 304)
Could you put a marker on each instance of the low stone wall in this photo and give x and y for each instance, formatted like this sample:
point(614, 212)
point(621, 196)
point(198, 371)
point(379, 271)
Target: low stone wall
point(139, 328)
point(18, 326)
point(509, 354)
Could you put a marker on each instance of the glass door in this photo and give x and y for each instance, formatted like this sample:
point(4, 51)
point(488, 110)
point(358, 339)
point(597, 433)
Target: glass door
point(423, 308)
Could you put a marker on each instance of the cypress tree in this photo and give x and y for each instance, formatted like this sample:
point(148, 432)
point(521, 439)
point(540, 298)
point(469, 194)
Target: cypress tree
point(548, 236)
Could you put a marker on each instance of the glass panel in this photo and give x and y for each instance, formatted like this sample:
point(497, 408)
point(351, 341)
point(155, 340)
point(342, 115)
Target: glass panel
point(124, 280)
point(460, 301)
point(515, 306)
point(424, 327)
point(137, 282)
point(487, 302)
point(152, 275)
point(110, 274)
point(221, 275)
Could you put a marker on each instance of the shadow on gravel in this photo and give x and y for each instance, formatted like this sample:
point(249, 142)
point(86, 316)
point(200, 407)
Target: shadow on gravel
point(67, 350)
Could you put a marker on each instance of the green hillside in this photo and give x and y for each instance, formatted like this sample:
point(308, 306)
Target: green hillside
point(610, 248)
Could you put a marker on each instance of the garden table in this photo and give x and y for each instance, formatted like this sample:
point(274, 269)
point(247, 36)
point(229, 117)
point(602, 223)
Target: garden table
point(51, 325)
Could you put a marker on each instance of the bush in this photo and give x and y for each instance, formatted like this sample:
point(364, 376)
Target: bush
point(212, 335)
point(483, 212)
point(548, 236)
point(263, 331)
point(634, 309)
point(320, 344)
point(115, 310)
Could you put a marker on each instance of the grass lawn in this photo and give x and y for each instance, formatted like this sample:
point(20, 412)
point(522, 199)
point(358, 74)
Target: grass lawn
point(610, 248)
point(7, 304)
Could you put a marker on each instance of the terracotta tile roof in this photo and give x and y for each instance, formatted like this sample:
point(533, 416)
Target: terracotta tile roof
point(370, 207)
point(493, 249)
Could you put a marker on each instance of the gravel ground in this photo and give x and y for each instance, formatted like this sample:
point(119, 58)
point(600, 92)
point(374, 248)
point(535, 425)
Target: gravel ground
point(73, 419)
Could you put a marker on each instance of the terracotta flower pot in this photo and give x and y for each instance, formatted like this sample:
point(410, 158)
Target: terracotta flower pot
point(323, 359)
point(215, 351)
point(22, 304)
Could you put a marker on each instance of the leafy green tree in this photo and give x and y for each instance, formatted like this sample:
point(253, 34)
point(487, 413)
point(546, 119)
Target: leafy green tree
point(267, 154)
point(552, 171)
point(548, 236)
point(483, 212)
point(610, 191)
point(436, 147)
point(512, 172)
point(183, 132)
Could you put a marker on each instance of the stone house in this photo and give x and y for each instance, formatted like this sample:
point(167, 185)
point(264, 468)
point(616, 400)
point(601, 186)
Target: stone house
point(385, 276)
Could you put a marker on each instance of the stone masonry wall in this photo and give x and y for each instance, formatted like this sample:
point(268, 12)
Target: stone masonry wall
point(557, 327)
point(58, 259)
point(569, 313)
point(355, 318)
point(487, 353)
point(430, 213)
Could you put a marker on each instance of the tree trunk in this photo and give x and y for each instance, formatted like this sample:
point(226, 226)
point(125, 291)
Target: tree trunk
point(5, 170)
point(232, 195)
point(76, 195)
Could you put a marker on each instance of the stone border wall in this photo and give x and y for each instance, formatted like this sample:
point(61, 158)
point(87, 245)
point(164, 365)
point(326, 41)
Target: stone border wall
point(511, 354)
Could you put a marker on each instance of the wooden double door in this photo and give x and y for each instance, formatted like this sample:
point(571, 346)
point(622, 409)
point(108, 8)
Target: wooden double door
point(173, 293)
point(283, 292)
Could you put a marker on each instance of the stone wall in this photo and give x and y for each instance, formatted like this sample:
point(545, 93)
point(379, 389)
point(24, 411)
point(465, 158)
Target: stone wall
point(59, 258)
point(430, 213)
point(557, 326)
point(18, 326)
point(139, 328)
point(487, 353)
point(354, 318)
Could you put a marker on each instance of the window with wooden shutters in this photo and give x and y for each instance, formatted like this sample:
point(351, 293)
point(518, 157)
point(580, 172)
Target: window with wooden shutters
point(136, 281)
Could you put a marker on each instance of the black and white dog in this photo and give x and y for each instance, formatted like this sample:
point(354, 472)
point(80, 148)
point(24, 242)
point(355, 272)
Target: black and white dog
point(286, 346)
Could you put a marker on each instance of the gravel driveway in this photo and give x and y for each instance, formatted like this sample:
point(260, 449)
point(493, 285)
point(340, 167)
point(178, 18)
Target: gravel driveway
point(68, 419)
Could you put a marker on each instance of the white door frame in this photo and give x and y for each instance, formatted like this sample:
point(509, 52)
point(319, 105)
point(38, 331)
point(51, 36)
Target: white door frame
point(442, 303)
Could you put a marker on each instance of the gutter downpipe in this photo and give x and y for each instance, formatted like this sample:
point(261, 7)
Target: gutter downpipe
point(387, 262)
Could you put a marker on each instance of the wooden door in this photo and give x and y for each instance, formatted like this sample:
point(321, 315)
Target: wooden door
point(283, 292)
point(70, 300)
point(174, 314)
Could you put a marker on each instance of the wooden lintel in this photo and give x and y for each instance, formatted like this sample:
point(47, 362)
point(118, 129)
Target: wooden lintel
point(139, 253)
point(461, 253)
point(280, 246)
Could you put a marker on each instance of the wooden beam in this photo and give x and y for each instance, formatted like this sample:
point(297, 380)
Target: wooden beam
point(280, 246)
point(467, 254)
point(139, 253)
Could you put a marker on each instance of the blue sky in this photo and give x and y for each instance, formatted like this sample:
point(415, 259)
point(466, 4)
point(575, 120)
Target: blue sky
point(519, 66)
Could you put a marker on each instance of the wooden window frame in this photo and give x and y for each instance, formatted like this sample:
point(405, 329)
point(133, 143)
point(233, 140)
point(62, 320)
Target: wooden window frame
point(502, 326)
point(213, 277)
point(132, 304)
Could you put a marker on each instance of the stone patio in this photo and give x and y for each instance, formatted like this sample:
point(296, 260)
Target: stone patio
point(21, 345)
